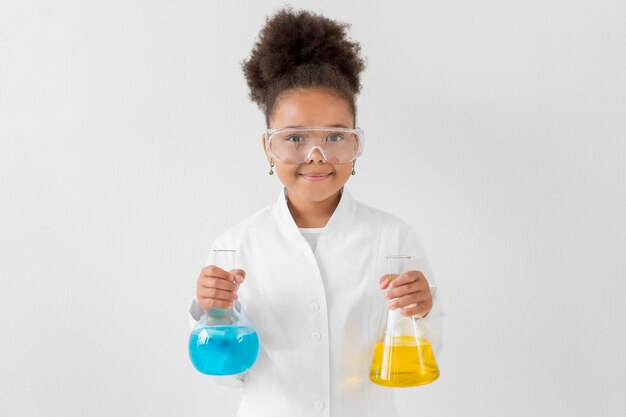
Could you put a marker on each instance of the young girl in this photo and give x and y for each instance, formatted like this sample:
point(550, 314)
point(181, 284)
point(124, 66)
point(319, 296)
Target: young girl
point(312, 277)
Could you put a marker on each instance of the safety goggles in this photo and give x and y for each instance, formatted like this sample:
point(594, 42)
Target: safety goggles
point(295, 145)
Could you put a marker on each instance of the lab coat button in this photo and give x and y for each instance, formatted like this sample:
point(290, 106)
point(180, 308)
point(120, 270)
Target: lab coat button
point(316, 336)
point(318, 405)
point(314, 307)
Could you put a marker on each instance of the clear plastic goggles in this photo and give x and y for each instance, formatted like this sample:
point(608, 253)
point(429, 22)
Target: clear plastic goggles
point(295, 145)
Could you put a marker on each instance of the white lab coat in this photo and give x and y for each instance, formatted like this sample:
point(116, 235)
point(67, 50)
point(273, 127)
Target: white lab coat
point(317, 314)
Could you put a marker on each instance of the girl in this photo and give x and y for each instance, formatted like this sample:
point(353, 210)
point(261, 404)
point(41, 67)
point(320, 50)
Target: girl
point(312, 278)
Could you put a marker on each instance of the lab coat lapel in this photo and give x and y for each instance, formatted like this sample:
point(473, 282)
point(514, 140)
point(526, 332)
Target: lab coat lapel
point(342, 214)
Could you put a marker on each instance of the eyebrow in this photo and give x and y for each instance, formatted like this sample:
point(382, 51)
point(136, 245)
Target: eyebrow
point(335, 125)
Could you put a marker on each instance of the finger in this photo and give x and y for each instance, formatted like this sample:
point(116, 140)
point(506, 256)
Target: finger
point(420, 309)
point(405, 278)
point(407, 300)
point(222, 284)
point(217, 294)
point(398, 291)
point(215, 271)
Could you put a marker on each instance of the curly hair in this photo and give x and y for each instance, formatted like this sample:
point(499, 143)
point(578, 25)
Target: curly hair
point(302, 50)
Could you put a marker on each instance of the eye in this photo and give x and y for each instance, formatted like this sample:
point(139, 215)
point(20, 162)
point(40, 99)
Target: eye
point(294, 139)
point(335, 137)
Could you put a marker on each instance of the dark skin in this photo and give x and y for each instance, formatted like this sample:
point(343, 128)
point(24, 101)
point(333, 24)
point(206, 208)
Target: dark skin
point(312, 203)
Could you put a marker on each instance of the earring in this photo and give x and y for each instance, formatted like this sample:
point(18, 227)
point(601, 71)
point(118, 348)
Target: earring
point(353, 171)
point(272, 168)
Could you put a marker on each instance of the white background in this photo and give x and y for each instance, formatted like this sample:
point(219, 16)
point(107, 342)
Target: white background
point(127, 143)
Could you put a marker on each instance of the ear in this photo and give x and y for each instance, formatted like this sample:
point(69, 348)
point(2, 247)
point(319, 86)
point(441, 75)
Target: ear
point(264, 149)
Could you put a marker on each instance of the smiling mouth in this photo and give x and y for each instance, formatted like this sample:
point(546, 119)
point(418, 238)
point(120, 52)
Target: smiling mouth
point(317, 175)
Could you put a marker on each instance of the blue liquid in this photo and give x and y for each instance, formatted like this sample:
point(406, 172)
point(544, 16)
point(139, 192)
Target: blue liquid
point(223, 350)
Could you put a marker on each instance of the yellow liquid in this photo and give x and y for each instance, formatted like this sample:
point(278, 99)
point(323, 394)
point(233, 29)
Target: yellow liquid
point(403, 363)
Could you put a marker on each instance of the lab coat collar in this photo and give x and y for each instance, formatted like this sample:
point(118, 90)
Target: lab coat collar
point(340, 217)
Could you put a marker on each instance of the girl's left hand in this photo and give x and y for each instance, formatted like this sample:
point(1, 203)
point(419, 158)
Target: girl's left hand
point(411, 290)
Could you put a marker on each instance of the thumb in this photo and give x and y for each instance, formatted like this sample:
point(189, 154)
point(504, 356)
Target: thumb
point(238, 275)
point(385, 280)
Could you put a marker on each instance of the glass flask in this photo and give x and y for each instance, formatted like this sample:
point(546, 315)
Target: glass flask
point(403, 356)
point(223, 341)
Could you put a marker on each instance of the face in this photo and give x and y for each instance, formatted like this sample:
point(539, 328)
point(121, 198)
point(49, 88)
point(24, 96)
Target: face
point(311, 107)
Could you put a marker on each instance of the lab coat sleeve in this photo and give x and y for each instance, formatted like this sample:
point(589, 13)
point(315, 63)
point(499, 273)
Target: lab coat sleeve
point(419, 261)
point(195, 314)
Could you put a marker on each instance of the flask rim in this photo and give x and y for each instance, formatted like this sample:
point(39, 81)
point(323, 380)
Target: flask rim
point(398, 257)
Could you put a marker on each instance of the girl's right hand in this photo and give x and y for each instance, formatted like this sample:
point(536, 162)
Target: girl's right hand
point(217, 288)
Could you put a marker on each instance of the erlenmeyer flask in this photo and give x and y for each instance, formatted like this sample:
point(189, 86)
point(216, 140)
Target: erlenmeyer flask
point(223, 341)
point(403, 356)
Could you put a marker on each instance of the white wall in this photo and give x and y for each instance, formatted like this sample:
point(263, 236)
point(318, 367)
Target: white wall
point(127, 142)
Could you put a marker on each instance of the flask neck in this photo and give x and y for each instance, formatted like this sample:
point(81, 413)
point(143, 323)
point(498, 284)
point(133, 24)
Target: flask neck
point(220, 316)
point(396, 264)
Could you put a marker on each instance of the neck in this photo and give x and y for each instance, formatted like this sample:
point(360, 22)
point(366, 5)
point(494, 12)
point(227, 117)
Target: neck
point(312, 213)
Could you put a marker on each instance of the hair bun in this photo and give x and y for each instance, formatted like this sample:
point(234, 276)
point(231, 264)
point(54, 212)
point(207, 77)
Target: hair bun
point(290, 40)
